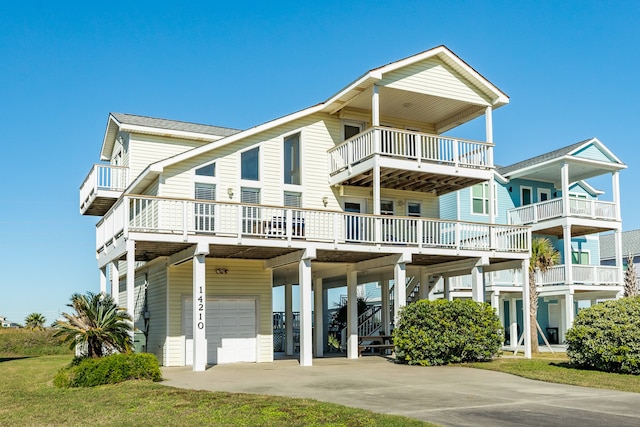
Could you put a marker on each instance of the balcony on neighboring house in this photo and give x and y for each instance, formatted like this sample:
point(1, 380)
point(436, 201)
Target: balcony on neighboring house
point(410, 160)
point(581, 275)
point(168, 224)
point(102, 187)
point(539, 215)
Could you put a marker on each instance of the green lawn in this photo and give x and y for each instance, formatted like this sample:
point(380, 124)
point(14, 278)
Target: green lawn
point(27, 397)
point(555, 368)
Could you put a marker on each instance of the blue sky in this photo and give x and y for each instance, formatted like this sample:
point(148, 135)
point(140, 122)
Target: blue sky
point(569, 67)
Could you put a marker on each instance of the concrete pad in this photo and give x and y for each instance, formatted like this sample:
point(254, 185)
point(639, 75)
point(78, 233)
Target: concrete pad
point(446, 395)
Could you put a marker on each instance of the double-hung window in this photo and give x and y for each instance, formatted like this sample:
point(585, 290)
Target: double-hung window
point(480, 199)
point(205, 194)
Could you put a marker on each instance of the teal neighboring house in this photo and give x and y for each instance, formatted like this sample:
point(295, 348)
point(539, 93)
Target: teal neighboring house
point(551, 194)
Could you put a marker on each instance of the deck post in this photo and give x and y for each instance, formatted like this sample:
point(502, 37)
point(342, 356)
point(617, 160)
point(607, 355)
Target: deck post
point(568, 312)
point(130, 282)
point(477, 284)
point(318, 313)
point(568, 261)
point(304, 278)
point(115, 280)
point(200, 308)
point(400, 290)
point(615, 190)
point(352, 313)
point(564, 180)
point(288, 318)
point(526, 309)
point(617, 239)
point(384, 315)
point(513, 322)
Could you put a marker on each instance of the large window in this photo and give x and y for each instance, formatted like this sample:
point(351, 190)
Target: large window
point(204, 212)
point(580, 257)
point(208, 170)
point(292, 159)
point(250, 164)
point(480, 198)
point(251, 220)
point(293, 199)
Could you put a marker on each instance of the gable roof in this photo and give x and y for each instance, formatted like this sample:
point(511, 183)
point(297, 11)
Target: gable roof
point(543, 158)
point(335, 103)
point(157, 126)
point(630, 244)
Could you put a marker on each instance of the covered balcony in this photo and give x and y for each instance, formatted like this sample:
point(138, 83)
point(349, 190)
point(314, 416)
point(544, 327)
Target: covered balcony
point(101, 188)
point(169, 225)
point(539, 214)
point(582, 275)
point(410, 160)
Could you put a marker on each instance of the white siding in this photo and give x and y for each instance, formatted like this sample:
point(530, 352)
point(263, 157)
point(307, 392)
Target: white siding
point(146, 149)
point(245, 279)
point(433, 77)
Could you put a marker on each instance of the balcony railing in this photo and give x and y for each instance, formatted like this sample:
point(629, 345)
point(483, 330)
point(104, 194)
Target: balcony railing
point(145, 214)
point(550, 209)
point(410, 145)
point(103, 178)
point(582, 274)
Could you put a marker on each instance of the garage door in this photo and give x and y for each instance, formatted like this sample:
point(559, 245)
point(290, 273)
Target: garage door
point(230, 330)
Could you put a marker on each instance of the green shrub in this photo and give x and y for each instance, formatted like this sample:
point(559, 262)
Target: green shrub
point(89, 372)
point(27, 342)
point(442, 332)
point(606, 337)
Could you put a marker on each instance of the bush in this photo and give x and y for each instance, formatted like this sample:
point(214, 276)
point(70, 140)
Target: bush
point(442, 332)
point(606, 337)
point(89, 372)
point(27, 342)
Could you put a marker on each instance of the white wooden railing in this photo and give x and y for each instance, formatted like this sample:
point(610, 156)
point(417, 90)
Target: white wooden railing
point(585, 208)
point(582, 274)
point(406, 144)
point(104, 177)
point(147, 214)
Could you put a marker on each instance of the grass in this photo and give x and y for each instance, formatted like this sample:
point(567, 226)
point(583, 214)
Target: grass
point(555, 368)
point(27, 397)
point(25, 342)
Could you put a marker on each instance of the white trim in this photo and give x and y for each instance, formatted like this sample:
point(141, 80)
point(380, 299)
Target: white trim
point(354, 123)
point(406, 208)
point(543, 191)
point(248, 182)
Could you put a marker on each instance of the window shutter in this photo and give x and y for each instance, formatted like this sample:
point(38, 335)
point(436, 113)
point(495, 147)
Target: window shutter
point(205, 191)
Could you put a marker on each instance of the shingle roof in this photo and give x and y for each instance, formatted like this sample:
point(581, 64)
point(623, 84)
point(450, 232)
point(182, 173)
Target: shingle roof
point(630, 244)
point(132, 119)
point(556, 154)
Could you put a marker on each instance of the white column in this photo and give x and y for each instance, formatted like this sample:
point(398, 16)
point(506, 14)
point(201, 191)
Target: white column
point(103, 280)
point(200, 308)
point(568, 312)
point(564, 187)
point(568, 261)
point(400, 289)
point(304, 277)
point(495, 304)
point(375, 106)
point(318, 314)
point(492, 202)
point(376, 199)
point(288, 318)
point(115, 281)
point(352, 314)
point(384, 317)
point(513, 321)
point(488, 120)
point(526, 309)
point(615, 189)
point(617, 240)
point(130, 282)
point(446, 286)
point(423, 292)
point(477, 284)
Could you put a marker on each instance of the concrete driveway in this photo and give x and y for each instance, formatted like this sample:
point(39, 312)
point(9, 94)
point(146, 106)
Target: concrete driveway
point(446, 395)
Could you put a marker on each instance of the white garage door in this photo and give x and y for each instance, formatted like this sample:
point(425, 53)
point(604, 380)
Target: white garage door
point(230, 330)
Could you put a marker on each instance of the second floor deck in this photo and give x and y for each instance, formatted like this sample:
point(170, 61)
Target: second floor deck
point(102, 187)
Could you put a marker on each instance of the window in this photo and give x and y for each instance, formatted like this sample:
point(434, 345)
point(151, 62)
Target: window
point(580, 257)
point(208, 170)
point(351, 129)
point(292, 159)
point(250, 164)
point(205, 191)
point(413, 209)
point(251, 221)
point(292, 199)
point(480, 199)
point(544, 194)
point(386, 207)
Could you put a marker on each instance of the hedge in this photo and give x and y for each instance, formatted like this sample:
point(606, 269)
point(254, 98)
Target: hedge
point(89, 372)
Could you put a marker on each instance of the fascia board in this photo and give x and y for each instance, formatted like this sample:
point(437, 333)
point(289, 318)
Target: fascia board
point(169, 132)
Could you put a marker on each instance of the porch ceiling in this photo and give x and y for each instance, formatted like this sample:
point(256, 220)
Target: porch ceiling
point(418, 107)
point(425, 182)
point(579, 169)
point(576, 230)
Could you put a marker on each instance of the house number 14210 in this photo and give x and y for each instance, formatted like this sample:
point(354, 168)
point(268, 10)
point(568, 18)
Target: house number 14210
point(200, 323)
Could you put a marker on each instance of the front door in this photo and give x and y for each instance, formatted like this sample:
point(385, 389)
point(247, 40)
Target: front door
point(353, 223)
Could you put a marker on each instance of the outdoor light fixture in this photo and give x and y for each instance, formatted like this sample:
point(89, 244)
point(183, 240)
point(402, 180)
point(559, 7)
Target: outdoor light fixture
point(325, 201)
point(230, 192)
point(510, 189)
point(221, 271)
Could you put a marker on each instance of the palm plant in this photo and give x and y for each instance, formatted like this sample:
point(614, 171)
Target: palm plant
point(543, 256)
point(35, 321)
point(98, 323)
point(630, 280)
